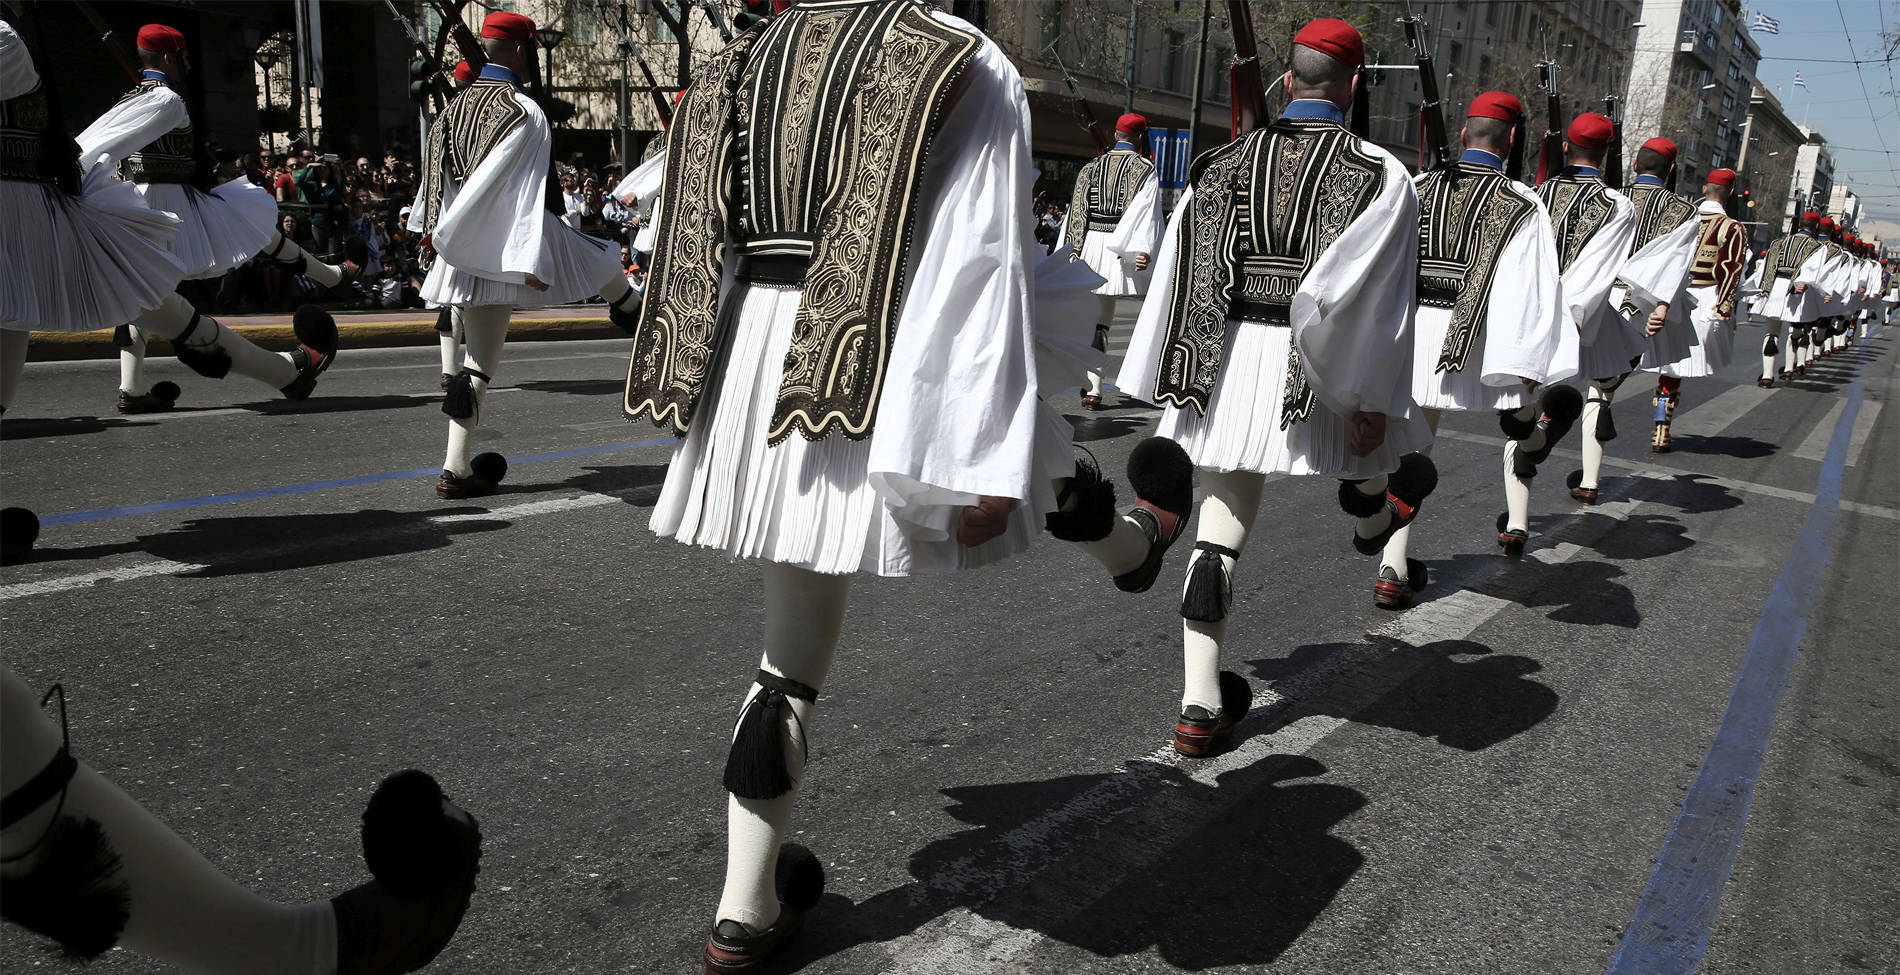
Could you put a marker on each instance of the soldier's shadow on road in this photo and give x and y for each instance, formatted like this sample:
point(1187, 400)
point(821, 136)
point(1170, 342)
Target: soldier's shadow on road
point(340, 404)
point(1090, 429)
point(29, 429)
point(1577, 591)
point(1746, 448)
point(1255, 868)
point(276, 543)
point(575, 387)
point(636, 484)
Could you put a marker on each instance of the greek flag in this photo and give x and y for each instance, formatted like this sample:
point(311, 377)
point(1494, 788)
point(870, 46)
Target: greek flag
point(1798, 83)
point(1765, 23)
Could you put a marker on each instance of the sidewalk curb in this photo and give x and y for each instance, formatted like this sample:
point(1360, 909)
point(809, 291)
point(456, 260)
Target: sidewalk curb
point(69, 346)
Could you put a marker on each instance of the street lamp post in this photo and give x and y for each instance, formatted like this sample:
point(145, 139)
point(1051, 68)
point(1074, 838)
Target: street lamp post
point(267, 59)
point(550, 38)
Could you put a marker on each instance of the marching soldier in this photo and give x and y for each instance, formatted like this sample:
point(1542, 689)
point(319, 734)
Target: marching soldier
point(1792, 269)
point(1714, 281)
point(1113, 222)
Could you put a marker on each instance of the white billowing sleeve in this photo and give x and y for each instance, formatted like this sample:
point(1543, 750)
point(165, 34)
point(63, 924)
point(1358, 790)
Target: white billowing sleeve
point(1523, 324)
point(1141, 224)
point(1658, 270)
point(1813, 270)
point(1751, 284)
point(131, 125)
point(638, 187)
point(1589, 278)
point(1352, 316)
point(957, 414)
point(491, 226)
point(17, 74)
point(1140, 364)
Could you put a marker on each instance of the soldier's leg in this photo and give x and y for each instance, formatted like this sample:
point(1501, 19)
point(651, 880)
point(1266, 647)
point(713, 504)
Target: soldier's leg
point(1598, 429)
point(448, 331)
point(485, 329)
point(212, 350)
point(1104, 319)
point(281, 250)
point(1395, 582)
point(12, 364)
point(1668, 395)
point(1230, 503)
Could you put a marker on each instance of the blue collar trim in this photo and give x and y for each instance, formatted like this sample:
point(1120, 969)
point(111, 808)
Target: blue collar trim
point(149, 75)
point(1647, 179)
point(1125, 145)
point(1314, 108)
point(1482, 158)
point(495, 72)
point(1590, 171)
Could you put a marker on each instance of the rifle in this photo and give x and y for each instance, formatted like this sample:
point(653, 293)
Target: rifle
point(1613, 164)
point(1102, 141)
point(1552, 158)
point(1247, 91)
point(1431, 108)
point(105, 38)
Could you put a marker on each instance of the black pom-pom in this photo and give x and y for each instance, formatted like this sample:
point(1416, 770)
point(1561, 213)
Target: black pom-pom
point(1162, 475)
point(1086, 509)
point(1209, 591)
point(413, 847)
point(1415, 480)
point(212, 363)
point(315, 328)
point(1504, 520)
point(1574, 480)
point(1563, 404)
point(167, 391)
point(1236, 696)
point(1357, 503)
point(459, 401)
point(1416, 574)
point(1514, 426)
point(19, 529)
point(72, 893)
point(490, 466)
point(445, 321)
point(356, 250)
point(799, 877)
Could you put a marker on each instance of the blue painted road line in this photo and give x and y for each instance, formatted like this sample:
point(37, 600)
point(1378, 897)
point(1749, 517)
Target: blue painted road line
point(102, 514)
point(1677, 911)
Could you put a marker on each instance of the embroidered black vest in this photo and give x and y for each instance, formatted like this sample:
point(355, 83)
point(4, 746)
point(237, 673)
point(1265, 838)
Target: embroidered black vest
point(24, 131)
point(1721, 249)
point(1103, 191)
point(1579, 206)
point(1264, 208)
point(1658, 212)
point(1463, 225)
point(804, 142)
point(1786, 255)
point(468, 128)
point(171, 158)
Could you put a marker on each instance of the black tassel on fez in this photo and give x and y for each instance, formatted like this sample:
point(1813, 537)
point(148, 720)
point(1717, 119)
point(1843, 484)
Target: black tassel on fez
point(755, 768)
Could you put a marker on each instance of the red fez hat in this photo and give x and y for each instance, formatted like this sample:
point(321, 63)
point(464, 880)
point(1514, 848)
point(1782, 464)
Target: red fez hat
point(1722, 177)
point(1811, 216)
point(508, 26)
point(1334, 38)
point(1500, 105)
point(1827, 223)
point(1664, 146)
point(161, 39)
point(1132, 123)
point(464, 72)
point(1591, 130)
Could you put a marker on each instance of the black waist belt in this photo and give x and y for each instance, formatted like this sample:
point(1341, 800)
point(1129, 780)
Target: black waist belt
point(781, 269)
point(1261, 312)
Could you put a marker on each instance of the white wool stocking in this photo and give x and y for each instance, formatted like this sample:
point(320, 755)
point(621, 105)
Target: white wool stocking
point(1104, 320)
point(173, 316)
point(281, 248)
point(1122, 550)
point(485, 329)
point(1601, 393)
point(132, 363)
point(1227, 514)
point(804, 611)
point(1394, 555)
point(183, 911)
point(1768, 358)
point(12, 363)
point(451, 342)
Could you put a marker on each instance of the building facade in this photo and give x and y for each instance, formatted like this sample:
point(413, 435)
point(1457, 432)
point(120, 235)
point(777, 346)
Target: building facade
point(1766, 162)
point(1813, 172)
point(1691, 81)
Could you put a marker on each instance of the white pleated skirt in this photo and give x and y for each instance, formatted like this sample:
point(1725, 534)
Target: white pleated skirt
point(1241, 431)
point(1462, 390)
point(1715, 345)
point(75, 264)
point(1617, 347)
point(1119, 276)
point(575, 266)
point(219, 230)
point(1674, 343)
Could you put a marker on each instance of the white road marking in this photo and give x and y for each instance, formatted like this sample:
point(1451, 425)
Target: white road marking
point(1863, 427)
point(165, 567)
point(1711, 418)
point(1022, 866)
point(1814, 447)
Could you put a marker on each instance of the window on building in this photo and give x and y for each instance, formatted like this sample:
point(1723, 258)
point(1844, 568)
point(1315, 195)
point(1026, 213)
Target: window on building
point(1484, 71)
point(1490, 15)
point(1457, 55)
point(1171, 42)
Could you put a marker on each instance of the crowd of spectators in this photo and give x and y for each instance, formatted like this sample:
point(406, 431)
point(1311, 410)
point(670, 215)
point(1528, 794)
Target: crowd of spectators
point(1050, 213)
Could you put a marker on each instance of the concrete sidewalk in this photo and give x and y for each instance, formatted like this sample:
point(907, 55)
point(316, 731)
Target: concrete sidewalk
point(356, 330)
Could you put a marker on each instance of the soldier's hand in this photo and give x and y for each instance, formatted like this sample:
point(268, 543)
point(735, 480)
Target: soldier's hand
point(535, 283)
point(1657, 318)
point(1141, 262)
point(984, 520)
point(1368, 432)
point(1800, 288)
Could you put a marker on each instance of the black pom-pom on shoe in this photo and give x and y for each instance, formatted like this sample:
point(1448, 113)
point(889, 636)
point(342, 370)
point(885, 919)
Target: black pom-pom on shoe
point(166, 391)
point(799, 877)
point(315, 328)
point(1162, 474)
point(415, 842)
point(489, 466)
point(19, 529)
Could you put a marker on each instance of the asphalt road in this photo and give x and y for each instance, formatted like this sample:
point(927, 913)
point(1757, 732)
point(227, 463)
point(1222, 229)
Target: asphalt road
point(1482, 784)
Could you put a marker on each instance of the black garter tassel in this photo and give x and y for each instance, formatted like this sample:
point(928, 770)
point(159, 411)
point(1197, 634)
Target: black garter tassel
point(459, 401)
point(755, 767)
point(72, 894)
point(1093, 517)
point(1209, 591)
point(1769, 347)
point(211, 362)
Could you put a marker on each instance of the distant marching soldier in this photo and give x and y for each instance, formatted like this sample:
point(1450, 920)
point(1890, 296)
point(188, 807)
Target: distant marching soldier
point(1114, 221)
point(1490, 315)
point(1279, 338)
point(148, 135)
point(1714, 281)
point(1792, 270)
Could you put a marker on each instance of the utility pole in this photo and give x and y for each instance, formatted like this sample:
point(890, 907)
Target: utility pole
point(625, 105)
point(1200, 83)
point(1128, 79)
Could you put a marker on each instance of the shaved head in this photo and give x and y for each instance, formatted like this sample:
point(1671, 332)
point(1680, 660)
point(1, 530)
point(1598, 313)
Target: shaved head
point(1314, 75)
point(1493, 135)
point(516, 56)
